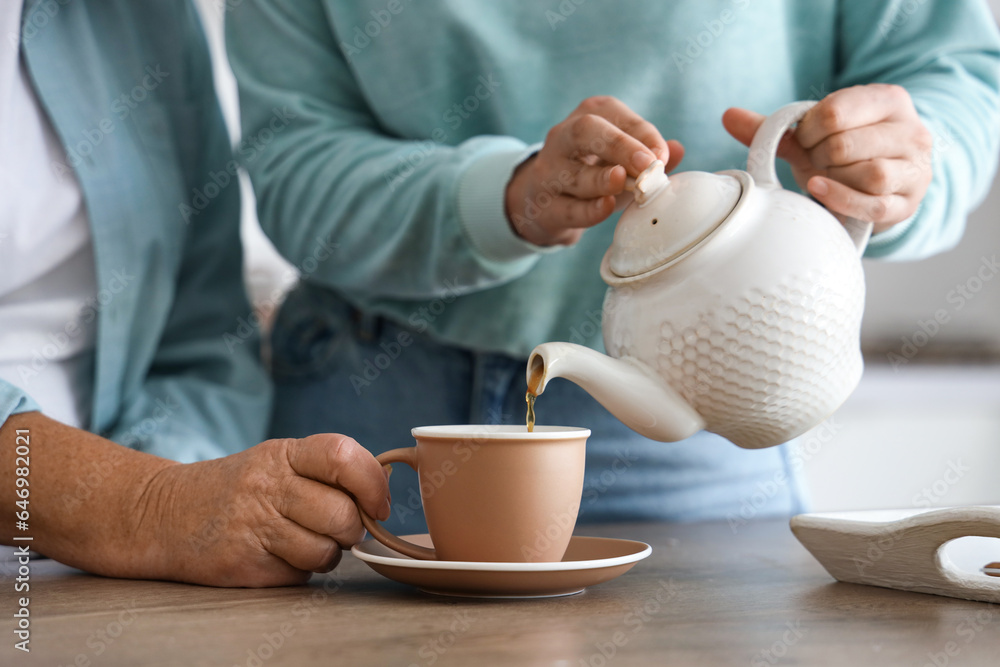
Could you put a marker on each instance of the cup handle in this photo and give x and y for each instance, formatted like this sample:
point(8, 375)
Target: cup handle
point(764, 149)
point(407, 455)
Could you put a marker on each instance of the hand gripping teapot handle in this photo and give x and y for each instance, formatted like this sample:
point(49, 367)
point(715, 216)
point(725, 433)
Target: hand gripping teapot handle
point(764, 148)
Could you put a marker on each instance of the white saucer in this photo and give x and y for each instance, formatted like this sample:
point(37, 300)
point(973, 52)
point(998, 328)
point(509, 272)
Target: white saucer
point(588, 561)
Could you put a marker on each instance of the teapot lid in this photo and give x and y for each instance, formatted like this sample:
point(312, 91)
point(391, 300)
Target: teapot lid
point(669, 216)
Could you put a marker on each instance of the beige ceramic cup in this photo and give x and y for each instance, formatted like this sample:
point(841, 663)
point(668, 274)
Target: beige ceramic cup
point(493, 493)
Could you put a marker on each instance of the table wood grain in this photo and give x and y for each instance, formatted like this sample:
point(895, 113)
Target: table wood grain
point(706, 596)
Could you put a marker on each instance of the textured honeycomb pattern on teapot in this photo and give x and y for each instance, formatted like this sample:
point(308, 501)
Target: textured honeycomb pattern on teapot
point(763, 362)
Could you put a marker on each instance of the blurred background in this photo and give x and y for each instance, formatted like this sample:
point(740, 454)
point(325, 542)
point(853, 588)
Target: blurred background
point(923, 428)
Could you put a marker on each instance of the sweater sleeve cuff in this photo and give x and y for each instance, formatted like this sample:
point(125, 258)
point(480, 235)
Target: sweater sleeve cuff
point(14, 401)
point(481, 207)
point(884, 243)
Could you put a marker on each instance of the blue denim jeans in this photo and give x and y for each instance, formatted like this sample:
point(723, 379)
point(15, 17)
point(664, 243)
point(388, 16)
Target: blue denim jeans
point(337, 370)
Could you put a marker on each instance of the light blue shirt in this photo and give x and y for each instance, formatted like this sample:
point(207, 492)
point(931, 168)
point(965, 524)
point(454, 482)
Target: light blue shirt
point(407, 119)
point(128, 87)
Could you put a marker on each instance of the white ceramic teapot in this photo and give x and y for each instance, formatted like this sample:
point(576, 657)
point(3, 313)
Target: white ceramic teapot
point(734, 306)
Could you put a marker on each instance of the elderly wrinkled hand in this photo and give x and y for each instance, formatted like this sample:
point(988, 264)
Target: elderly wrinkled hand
point(268, 516)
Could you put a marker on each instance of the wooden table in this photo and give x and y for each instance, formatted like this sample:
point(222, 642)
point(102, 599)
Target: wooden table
point(706, 596)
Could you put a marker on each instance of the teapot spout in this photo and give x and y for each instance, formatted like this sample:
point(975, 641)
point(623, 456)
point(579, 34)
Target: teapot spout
point(640, 400)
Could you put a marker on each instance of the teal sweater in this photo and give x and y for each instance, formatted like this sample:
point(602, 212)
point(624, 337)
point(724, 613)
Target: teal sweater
point(389, 129)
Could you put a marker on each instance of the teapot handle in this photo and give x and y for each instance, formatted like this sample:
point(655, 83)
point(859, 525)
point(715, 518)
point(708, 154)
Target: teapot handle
point(764, 148)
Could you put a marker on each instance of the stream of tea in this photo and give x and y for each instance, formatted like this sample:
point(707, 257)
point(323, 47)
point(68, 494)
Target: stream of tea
point(530, 418)
point(530, 396)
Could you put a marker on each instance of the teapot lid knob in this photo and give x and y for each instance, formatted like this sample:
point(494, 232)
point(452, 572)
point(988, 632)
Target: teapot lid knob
point(649, 183)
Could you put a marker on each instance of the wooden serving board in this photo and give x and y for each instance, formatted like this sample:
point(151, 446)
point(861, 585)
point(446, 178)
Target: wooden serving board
point(903, 549)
